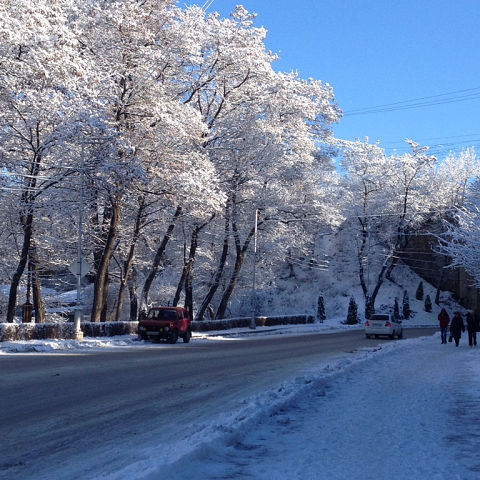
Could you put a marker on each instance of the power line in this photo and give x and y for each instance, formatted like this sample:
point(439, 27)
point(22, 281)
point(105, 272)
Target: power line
point(419, 102)
point(442, 148)
point(425, 139)
point(207, 5)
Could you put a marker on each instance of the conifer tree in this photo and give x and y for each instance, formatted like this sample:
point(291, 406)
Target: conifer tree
point(352, 317)
point(321, 309)
point(406, 306)
point(419, 293)
point(428, 304)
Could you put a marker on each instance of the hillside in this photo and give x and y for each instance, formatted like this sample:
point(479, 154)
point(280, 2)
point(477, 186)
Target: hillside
point(334, 275)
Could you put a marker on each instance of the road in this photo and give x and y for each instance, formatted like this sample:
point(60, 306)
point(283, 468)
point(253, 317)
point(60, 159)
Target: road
point(75, 415)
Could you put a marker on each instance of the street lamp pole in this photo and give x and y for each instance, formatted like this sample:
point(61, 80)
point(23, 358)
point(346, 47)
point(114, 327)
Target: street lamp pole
point(79, 306)
point(81, 267)
point(253, 323)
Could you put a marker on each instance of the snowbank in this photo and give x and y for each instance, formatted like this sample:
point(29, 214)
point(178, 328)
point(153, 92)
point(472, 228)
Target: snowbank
point(65, 330)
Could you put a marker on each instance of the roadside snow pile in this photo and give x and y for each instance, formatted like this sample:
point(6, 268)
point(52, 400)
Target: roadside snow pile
point(63, 330)
point(25, 346)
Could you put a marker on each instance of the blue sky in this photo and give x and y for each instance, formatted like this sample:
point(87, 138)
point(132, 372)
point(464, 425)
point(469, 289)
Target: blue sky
point(377, 52)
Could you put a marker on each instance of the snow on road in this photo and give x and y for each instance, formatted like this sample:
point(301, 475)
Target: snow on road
point(406, 410)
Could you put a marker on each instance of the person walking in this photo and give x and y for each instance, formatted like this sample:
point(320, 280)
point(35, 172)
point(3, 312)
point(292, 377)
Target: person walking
point(444, 320)
point(457, 327)
point(472, 327)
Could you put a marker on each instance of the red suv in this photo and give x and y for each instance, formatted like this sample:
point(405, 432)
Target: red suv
point(166, 323)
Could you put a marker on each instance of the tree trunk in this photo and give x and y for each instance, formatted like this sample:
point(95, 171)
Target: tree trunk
point(379, 283)
point(127, 264)
point(100, 231)
point(26, 220)
point(239, 259)
point(105, 290)
point(369, 306)
point(158, 258)
point(361, 256)
point(392, 260)
point(27, 237)
point(221, 266)
point(393, 264)
point(38, 305)
point(120, 299)
point(101, 279)
point(181, 283)
point(132, 289)
point(189, 292)
point(402, 236)
point(186, 278)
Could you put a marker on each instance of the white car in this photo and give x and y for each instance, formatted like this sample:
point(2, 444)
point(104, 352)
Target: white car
point(383, 324)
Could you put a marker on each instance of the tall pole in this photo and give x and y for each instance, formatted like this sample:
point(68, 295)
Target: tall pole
point(79, 307)
point(29, 280)
point(253, 324)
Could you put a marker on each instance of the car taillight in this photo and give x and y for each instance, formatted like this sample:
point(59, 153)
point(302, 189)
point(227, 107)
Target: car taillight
point(388, 324)
point(367, 324)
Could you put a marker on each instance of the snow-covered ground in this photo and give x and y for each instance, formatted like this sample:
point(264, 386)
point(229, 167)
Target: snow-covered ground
point(408, 409)
point(404, 409)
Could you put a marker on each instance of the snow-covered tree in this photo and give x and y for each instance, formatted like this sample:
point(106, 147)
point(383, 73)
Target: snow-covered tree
point(390, 199)
point(174, 132)
point(367, 175)
point(263, 130)
point(141, 51)
point(39, 53)
point(460, 242)
point(452, 178)
point(411, 201)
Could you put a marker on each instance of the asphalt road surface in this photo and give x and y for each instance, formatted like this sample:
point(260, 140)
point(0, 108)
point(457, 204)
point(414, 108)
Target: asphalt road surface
point(74, 415)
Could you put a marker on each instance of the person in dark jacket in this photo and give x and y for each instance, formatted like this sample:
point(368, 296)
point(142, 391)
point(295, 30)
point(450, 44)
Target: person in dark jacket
point(444, 320)
point(457, 327)
point(472, 327)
